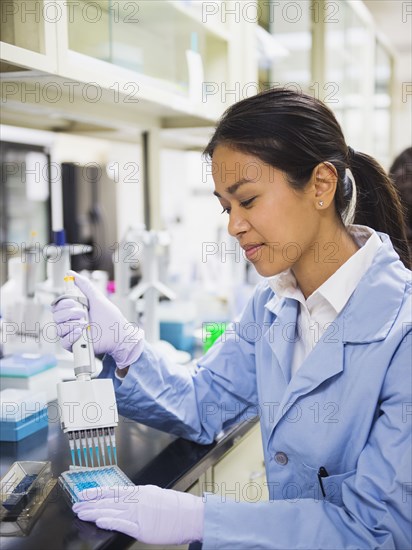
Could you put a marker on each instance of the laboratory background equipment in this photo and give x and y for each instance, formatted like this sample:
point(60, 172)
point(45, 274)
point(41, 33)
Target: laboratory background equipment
point(212, 331)
point(24, 201)
point(87, 406)
point(145, 248)
point(89, 217)
point(142, 303)
point(24, 489)
point(177, 324)
point(20, 309)
point(150, 287)
point(35, 256)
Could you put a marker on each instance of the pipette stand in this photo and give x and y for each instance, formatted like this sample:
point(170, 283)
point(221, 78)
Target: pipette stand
point(150, 287)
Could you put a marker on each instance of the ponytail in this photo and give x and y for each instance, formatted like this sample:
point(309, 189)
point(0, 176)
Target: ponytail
point(378, 204)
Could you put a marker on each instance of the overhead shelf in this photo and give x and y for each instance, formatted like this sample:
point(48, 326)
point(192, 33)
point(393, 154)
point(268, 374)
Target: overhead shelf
point(107, 72)
point(49, 102)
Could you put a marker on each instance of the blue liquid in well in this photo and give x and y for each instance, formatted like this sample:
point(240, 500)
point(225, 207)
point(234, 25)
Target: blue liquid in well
point(86, 485)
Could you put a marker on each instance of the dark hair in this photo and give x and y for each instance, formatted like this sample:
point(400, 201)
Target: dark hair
point(401, 174)
point(294, 132)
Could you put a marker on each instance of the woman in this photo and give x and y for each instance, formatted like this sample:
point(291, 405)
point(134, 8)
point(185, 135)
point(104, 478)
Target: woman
point(327, 368)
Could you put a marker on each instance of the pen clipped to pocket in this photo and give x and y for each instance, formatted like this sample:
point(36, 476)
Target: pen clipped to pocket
point(322, 473)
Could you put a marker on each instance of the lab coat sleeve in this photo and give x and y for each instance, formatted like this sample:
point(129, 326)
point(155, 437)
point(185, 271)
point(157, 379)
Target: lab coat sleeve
point(195, 405)
point(377, 498)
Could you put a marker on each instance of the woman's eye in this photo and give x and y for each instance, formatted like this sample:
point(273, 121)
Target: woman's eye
point(243, 204)
point(247, 203)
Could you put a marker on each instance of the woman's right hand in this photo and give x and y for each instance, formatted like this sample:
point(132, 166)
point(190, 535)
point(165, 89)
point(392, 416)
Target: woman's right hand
point(110, 331)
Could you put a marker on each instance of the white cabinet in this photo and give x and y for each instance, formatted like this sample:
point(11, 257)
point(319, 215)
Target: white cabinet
point(116, 63)
point(28, 34)
point(240, 474)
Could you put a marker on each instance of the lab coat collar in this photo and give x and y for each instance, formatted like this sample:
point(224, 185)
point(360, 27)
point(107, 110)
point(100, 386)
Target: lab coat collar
point(377, 298)
point(336, 290)
point(374, 305)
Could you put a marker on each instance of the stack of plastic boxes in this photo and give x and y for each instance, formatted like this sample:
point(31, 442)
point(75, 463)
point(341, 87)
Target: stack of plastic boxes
point(22, 413)
point(30, 371)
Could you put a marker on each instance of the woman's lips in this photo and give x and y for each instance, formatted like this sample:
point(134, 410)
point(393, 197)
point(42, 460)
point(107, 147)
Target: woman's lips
point(251, 251)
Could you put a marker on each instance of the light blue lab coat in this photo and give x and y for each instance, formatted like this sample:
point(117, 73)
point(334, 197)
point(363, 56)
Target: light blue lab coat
point(348, 408)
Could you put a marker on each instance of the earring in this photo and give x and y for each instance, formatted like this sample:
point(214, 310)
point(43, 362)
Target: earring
point(320, 203)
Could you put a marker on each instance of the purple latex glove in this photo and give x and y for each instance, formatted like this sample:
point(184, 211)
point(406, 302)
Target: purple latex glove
point(110, 331)
point(146, 512)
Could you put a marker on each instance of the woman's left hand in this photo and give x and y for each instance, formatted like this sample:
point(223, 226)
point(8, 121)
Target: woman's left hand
point(146, 512)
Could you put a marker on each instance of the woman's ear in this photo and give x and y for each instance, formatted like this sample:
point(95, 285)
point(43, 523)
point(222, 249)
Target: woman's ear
point(324, 181)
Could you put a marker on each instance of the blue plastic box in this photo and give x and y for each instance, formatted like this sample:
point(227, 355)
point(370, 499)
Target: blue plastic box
point(180, 335)
point(22, 413)
point(15, 431)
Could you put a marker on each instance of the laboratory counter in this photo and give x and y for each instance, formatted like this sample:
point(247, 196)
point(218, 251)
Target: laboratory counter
point(146, 455)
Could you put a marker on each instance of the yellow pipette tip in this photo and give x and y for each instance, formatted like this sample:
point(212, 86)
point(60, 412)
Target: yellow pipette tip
point(68, 278)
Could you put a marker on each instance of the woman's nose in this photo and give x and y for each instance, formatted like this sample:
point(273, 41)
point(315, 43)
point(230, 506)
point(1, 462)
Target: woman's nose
point(237, 224)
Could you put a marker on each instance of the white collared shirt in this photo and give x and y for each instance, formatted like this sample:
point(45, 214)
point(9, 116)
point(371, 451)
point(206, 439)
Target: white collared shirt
point(325, 303)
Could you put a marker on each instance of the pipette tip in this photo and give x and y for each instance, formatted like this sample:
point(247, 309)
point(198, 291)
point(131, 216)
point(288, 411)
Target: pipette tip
point(93, 446)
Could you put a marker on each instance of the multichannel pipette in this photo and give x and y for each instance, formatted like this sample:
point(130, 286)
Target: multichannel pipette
point(87, 406)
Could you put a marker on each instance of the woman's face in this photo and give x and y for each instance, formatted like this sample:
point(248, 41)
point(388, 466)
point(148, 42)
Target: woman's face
point(275, 225)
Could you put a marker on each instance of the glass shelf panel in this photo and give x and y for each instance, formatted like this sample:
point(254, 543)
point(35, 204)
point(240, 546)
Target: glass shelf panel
point(22, 24)
point(382, 105)
point(346, 64)
point(291, 28)
point(150, 38)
